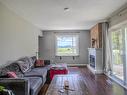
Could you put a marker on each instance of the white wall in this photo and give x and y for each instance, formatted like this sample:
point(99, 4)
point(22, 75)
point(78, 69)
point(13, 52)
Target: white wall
point(1, 49)
point(47, 47)
point(119, 17)
point(17, 36)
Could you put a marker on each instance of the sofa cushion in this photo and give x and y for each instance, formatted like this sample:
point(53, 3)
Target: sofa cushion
point(43, 71)
point(37, 72)
point(35, 84)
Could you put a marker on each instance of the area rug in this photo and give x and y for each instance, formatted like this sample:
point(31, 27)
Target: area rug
point(73, 70)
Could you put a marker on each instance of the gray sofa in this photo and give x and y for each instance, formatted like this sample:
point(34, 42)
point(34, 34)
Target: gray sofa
point(30, 79)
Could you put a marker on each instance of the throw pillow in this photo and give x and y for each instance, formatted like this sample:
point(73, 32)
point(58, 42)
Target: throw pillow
point(23, 66)
point(30, 62)
point(12, 75)
point(39, 63)
point(47, 62)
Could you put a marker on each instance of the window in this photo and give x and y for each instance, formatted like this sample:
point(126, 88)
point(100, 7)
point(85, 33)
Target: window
point(118, 50)
point(119, 53)
point(67, 44)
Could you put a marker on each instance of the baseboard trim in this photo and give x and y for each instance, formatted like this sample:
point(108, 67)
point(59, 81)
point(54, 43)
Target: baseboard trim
point(76, 64)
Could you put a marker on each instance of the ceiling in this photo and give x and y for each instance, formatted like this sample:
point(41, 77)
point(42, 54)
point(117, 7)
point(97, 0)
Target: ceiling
point(50, 14)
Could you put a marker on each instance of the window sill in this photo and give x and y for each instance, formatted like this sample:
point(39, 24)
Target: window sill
point(67, 55)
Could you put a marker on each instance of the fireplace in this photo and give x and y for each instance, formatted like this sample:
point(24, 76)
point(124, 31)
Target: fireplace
point(95, 60)
point(92, 61)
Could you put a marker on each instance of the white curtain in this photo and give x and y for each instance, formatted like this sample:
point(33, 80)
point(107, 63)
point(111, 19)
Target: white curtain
point(107, 53)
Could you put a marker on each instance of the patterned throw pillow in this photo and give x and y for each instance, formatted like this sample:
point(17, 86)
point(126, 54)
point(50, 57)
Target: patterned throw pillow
point(23, 66)
point(39, 63)
point(12, 75)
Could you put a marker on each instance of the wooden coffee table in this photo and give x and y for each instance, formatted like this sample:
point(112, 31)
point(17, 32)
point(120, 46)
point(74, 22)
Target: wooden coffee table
point(76, 85)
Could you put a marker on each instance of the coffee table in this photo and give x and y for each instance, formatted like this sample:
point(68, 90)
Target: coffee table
point(76, 85)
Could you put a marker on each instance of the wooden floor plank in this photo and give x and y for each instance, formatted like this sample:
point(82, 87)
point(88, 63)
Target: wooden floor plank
point(96, 84)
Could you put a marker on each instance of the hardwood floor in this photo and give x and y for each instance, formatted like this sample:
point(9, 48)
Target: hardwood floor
point(101, 85)
point(96, 84)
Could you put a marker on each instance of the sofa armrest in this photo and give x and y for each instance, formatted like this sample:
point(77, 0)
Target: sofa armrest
point(18, 86)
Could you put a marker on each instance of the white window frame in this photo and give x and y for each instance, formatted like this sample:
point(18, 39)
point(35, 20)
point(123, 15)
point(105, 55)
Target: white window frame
point(124, 81)
point(67, 34)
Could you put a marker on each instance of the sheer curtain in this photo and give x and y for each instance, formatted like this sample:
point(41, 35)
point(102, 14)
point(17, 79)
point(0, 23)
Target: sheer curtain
point(107, 54)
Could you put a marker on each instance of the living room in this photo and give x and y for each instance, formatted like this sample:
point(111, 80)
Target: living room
point(73, 39)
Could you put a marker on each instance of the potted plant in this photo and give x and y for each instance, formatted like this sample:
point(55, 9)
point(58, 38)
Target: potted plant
point(4, 91)
point(1, 88)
